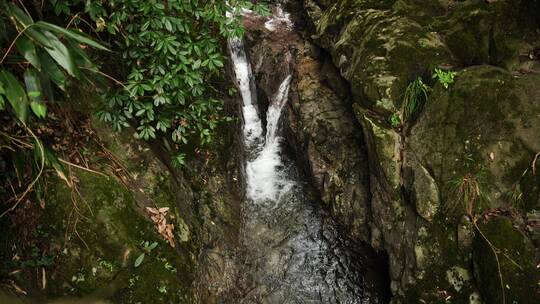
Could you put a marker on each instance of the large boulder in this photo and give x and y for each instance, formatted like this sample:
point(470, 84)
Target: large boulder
point(485, 125)
point(377, 50)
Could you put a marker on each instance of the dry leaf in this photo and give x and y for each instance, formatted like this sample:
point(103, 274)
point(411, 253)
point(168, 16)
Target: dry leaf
point(158, 216)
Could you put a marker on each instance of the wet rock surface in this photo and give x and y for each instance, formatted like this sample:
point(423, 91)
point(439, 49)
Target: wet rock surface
point(291, 249)
point(465, 131)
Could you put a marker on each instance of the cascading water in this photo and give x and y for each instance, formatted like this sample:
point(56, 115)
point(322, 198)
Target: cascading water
point(252, 123)
point(291, 254)
point(265, 182)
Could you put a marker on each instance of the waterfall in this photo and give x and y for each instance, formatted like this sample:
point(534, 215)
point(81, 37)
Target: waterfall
point(266, 180)
point(280, 18)
point(252, 128)
point(289, 254)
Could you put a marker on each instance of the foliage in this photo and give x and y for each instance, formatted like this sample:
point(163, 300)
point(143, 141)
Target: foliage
point(468, 193)
point(162, 289)
point(39, 62)
point(41, 57)
point(444, 77)
point(147, 248)
point(395, 120)
point(414, 98)
point(173, 56)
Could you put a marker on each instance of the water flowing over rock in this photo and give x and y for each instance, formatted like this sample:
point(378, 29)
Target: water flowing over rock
point(292, 252)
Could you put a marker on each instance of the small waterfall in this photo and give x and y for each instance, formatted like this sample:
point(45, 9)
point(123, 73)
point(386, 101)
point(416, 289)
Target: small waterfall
point(252, 129)
point(289, 253)
point(266, 179)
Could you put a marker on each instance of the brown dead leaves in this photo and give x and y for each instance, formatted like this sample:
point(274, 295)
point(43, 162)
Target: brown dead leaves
point(159, 217)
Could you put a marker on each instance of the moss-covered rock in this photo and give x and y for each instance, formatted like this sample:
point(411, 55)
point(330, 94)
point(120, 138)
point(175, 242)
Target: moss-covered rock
point(87, 237)
point(99, 260)
point(516, 257)
point(481, 32)
point(480, 129)
point(378, 50)
point(484, 124)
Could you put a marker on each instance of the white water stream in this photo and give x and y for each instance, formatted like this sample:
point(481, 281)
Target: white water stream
point(291, 254)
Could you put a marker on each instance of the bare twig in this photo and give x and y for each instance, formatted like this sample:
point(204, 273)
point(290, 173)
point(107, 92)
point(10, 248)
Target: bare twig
point(533, 164)
point(79, 236)
point(493, 248)
point(13, 42)
point(82, 168)
point(41, 166)
point(105, 75)
point(24, 7)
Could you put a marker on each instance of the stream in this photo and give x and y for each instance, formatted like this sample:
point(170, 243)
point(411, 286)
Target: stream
point(292, 252)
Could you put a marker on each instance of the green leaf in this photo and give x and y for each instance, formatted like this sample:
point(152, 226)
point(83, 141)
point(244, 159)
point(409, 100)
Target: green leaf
point(80, 37)
point(33, 88)
point(19, 15)
point(33, 84)
point(60, 53)
point(168, 25)
point(34, 94)
point(139, 260)
point(153, 246)
point(218, 63)
point(27, 48)
point(26, 21)
point(52, 70)
point(39, 108)
point(15, 94)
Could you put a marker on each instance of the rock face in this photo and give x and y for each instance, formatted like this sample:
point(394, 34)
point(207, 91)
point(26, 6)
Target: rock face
point(401, 188)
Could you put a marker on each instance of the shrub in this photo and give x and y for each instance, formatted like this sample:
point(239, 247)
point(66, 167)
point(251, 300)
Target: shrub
point(173, 54)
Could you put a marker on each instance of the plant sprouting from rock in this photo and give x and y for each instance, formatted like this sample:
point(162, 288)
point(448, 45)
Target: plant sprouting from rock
point(147, 248)
point(395, 120)
point(468, 195)
point(414, 98)
point(446, 78)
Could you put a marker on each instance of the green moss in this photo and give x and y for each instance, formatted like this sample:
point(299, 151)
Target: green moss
point(377, 49)
point(443, 260)
point(98, 258)
point(517, 263)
